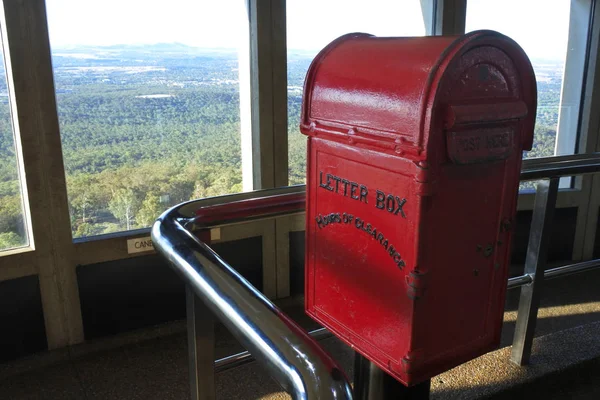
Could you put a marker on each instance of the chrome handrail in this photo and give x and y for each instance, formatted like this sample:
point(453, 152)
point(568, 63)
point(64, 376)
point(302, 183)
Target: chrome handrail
point(292, 357)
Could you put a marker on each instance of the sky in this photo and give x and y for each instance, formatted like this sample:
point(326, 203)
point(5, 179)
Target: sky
point(540, 26)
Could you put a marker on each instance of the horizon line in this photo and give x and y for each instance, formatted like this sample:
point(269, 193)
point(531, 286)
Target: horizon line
point(228, 49)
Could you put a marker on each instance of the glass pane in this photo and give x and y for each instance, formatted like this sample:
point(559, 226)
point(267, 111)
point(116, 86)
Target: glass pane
point(309, 31)
point(148, 105)
point(554, 37)
point(13, 232)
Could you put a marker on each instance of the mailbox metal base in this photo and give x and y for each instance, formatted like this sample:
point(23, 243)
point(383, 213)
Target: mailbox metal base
point(372, 383)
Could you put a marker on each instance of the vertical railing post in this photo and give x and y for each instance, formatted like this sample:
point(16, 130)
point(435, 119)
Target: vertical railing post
point(535, 263)
point(201, 347)
point(372, 383)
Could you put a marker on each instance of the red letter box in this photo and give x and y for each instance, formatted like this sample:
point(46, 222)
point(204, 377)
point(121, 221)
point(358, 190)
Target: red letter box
point(414, 155)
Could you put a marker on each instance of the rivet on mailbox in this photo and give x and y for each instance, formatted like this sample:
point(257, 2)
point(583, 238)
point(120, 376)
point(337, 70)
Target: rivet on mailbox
point(397, 218)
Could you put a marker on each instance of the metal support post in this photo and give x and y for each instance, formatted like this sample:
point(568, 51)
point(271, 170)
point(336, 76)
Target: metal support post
point(201, 347)
point(535, 263)
point(372, 383)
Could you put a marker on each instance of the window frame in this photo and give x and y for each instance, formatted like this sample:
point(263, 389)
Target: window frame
point(50, 250)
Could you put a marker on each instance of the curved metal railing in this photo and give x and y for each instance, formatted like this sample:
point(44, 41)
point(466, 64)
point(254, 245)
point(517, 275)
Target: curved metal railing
point(290, 355)
point(293, 358)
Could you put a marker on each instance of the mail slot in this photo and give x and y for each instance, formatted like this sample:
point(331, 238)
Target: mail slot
point(414, 154)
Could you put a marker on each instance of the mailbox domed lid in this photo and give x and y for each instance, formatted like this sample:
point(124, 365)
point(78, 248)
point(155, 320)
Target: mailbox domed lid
point(389, 93)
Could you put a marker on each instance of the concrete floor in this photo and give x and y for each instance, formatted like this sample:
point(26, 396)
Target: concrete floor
point(156, 368)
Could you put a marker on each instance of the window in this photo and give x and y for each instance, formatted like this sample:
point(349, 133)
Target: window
point(13, 232)
point(149, 105)
point(554, 36)
point(308, 31)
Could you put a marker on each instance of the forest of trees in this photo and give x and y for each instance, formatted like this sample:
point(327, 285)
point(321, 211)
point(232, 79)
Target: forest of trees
point(146, 128)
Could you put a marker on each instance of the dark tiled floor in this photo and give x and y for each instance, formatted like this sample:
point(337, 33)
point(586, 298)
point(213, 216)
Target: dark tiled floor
point(58, 382)
point(157, 368)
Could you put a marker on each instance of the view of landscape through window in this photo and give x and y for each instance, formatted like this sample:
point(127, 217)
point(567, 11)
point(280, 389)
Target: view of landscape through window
point(148, 106)
point(149, 97)
point(12, 222)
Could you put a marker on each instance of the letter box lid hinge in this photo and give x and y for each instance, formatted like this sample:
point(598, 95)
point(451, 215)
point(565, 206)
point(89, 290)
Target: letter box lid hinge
point(393, 143)
point(416, 282)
